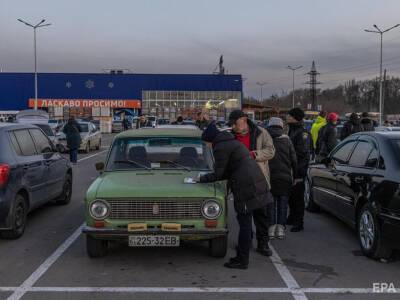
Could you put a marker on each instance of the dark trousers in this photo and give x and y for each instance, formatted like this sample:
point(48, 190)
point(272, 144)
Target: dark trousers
point(73, 155)
point(278, 211)
point(296, 204)
point(261, 221)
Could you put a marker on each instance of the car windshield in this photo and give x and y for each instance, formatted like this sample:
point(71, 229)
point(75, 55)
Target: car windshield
point(46, 128)
point(160, 153)
point(84, 127)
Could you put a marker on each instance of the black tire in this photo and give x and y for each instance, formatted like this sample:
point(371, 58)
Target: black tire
point(87, 149)
point(66, 195)
point(218, 247)
point(370, 234)
point(96, 248)
point(19, 216)
point(309, 203)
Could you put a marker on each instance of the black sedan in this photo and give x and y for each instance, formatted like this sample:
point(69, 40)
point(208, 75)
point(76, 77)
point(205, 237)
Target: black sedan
point(360, 184)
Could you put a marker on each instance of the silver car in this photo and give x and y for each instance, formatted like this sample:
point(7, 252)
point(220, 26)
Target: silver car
point(91, 137)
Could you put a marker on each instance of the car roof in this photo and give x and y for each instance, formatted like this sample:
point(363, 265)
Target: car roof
point(380, 134)
point(6, 125)
point(161, 132)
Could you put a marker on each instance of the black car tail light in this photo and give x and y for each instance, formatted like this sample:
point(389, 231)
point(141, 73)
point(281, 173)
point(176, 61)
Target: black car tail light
point(4, 173)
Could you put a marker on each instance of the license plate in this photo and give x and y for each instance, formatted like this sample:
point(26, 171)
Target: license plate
point(154, 241)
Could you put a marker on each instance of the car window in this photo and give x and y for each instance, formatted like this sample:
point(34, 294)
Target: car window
point(42, 143)
point(46, 128)
point(84, 127)
point(342, 153)
point(361, 153)
point(25, 142)
point(14, 143)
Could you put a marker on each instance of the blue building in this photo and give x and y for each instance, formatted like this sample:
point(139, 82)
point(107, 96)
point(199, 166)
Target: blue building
point(101, 95)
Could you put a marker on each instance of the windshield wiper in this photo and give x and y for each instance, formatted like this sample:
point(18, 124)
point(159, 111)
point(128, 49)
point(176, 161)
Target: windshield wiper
point(133, 163)
point(176, 164)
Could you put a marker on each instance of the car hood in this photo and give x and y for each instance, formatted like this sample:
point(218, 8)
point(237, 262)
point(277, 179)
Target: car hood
point(162, 184)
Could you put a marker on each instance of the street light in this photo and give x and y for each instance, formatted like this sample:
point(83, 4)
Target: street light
point(381, 32)
point(261, 84)
point(293, 70)
point(38, 25)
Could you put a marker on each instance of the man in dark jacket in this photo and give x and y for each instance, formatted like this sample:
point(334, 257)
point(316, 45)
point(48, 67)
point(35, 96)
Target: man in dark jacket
point(72, 132)
point(125, 123)
point(201, 120)
point(327, 139)
point(282, 166)
point(249, 187)
point(353, 125)
point(366, 123)
point(302, 143)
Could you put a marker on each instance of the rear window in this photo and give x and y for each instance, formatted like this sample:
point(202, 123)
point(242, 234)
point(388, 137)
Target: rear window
point(46, 129)
point(25, 142)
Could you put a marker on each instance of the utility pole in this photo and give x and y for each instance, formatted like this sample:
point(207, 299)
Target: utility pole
point(261, 84)
point(313, 82)
point(381, 32)
point(38, 25)
point(293, 70)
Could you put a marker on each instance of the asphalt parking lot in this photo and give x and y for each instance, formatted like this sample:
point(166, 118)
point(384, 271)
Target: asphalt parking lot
point(50, 262)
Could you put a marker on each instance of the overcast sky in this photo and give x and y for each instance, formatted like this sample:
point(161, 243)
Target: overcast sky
point(257, 37)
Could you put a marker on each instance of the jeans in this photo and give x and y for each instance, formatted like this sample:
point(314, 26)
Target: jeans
point(296, 204)
point(73, 155)
point(278, 211)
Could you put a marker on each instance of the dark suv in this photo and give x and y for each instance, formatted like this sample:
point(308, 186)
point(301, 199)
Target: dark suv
point(32, 173)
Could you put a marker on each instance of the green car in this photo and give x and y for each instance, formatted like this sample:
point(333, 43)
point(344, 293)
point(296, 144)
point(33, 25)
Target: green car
point(146, 195)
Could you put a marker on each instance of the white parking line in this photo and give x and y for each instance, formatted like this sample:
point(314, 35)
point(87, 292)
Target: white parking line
point(90, 156)
point(28, 283)
point(287, 277)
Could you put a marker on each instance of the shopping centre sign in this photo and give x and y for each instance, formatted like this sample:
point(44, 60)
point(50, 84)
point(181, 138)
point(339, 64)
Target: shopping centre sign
point(111, 103)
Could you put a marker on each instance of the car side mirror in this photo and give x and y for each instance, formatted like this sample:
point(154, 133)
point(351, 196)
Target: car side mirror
point(99, 166)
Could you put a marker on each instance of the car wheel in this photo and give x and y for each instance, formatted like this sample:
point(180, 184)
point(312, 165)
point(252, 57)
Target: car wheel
point(218, 247)
point(309, 203)
point(65, 197)
point(19, 214)
point(87, 149)
point(370, 234)
point(96, 248)
point(98, 145)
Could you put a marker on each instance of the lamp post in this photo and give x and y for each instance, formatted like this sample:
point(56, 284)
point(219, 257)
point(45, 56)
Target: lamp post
point(38, 25)
point(381, 32)
point(261, 84)
point(293, 70)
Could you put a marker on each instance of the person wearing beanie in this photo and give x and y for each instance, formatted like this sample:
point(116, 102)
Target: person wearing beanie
point(282, 166)
point(234, 163)
point(302, 143)
point(328, 139)
point(319, 122)
point(353, 125)
point(366, 123)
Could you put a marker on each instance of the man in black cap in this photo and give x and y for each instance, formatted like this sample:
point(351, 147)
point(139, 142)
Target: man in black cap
point(249, 187)
point(259, 143)
point(302, 143)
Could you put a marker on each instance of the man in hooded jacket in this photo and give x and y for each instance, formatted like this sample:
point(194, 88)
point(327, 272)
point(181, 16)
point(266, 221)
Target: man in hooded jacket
point(234, 163)
point(353, 125)
point(367, 123)
point(319, 122)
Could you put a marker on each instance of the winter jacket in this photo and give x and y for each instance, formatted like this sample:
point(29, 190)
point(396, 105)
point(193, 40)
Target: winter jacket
point(202, 124)
point(284, 163)
point(367, 124)
point(262, 146)
point(72, 132)
point(327, 139)
point(350, 127)
point(315, 128)
point(246, 180)
point(302, 143)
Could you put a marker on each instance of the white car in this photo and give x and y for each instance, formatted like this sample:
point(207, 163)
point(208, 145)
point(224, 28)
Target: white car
point(91, 137)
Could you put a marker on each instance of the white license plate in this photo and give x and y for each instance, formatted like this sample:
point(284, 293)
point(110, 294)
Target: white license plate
point(154, 241)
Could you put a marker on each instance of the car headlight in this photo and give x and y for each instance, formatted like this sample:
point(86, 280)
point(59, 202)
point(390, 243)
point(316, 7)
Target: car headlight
point(211, 209)
point(99, 209)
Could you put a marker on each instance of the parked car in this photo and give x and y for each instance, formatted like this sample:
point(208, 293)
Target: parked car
point(141, 199)
point(153, 120)
point(32, 173)
point(90, 134)
point(163, 122)
point(117, 126)
point(55, 124)
point(387, 128)
point(359, 183)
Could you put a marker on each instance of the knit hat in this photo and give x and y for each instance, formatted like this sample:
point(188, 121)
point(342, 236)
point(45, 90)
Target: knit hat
point(210, 133)
point(333, 117)
point(235, 115)
point(297, 113)
point(273, 121)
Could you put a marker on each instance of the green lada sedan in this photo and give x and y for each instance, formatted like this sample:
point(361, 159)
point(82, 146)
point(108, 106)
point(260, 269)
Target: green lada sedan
point(145, 196)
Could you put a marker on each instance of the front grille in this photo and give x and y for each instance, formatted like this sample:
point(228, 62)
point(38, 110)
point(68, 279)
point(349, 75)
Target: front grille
point(139, 209)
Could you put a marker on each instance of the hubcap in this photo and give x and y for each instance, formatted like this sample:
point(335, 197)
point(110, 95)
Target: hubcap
point(367, 230)
point(19, 216)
